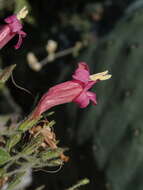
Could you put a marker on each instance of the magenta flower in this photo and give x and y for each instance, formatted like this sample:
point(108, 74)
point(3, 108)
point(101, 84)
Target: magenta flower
point(76, 90)
point(82, 77)
point(12, 27)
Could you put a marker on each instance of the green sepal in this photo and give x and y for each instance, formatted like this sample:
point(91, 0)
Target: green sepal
point(28, 124)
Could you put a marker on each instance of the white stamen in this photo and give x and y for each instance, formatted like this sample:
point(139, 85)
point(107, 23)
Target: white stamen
point(100, 76)
point(22, 13)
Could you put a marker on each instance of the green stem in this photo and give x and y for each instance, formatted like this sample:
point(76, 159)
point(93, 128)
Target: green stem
point(79, 184)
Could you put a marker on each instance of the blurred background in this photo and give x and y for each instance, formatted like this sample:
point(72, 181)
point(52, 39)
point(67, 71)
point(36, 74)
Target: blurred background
point(105, 142)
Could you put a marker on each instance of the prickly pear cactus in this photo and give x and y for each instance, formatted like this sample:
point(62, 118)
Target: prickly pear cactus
point(115, 125)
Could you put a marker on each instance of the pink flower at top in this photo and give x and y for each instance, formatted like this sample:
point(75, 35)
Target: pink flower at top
point(12, 27)
point(75, 90)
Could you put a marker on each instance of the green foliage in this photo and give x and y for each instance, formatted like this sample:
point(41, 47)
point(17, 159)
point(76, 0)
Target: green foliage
point(33, 145)
point(27, 124)
point(26, 147)
point(51, 154)
point(13, 140)
point(4, 156)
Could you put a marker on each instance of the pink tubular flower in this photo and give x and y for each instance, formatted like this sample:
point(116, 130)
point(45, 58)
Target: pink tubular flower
point(76, 90)
point(12, 27)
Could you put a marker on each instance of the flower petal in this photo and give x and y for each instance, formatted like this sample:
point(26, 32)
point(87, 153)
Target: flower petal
point(89, 85)
point(13, 23)
point(21, 35)
point(92, 97)
point(83, 65)
point(82, 100)
point(15, 28)
point(81, 73)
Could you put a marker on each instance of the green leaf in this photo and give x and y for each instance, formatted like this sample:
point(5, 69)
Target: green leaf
point(6, 73)
point(79, 184)
point(51, 154)
point(2, 172)
point(14, 139)
point(54, 163)
point(4, 156)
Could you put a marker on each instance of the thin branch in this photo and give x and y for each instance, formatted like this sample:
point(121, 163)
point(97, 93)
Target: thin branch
point(37, 65)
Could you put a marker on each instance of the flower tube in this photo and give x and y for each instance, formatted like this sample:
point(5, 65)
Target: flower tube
point(75, 90)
